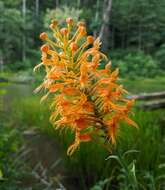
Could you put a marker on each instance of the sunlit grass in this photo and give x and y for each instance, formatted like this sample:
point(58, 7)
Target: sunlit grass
point(141, 85)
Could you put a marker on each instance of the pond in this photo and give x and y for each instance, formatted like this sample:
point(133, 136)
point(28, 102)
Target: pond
point(10, 92)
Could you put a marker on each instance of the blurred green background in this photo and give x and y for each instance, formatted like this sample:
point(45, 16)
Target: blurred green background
point(32, 153)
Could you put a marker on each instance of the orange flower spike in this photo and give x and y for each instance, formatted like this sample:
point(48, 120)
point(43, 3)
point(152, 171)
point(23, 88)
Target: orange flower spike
point(86, 95)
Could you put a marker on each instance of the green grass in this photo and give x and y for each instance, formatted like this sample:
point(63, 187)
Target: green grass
point(12, 170)
point(141, 85)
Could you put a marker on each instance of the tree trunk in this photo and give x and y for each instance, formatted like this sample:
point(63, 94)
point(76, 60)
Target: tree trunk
point(57, 3)
point(113, 38)
point(1, 63)
point(153, 105)
point(150, 96)
point(78, 4)
point(37, 8)
point(154, 100)
point(95, 31)
point(105, 32)
point(140, 37)
point(24, 34)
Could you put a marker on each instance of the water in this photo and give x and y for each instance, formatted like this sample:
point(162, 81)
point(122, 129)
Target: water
point(9, 92)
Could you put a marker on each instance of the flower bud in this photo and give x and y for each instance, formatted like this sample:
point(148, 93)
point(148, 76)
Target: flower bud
point(69, 21)
point(52, 26)
point(82, 30)
point(64, 31)
point(43, 36)
point(45, 48)
point(90, 39)
point(81, 24)
point(54, 22)
point(73, 46)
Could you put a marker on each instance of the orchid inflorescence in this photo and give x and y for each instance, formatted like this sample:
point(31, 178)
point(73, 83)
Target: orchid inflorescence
point(86, 99)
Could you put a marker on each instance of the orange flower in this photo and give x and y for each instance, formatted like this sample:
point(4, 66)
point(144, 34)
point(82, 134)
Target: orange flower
point(45, 48)
point(85, 137)
point(55, 87)
point(64, 31)
point(81, 123)
point(86, 100)
point(43, 36)
point(90, 39)
point(73, 46)
point(69, 21)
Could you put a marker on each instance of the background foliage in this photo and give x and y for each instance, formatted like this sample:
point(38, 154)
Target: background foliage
point(137, 27)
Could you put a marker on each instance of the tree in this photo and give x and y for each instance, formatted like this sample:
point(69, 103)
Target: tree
point(10, 34)
point(104, 32)
point(138, 24)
